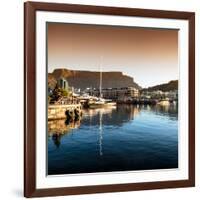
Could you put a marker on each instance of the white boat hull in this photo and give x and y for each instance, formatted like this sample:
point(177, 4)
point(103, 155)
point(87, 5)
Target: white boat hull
point(100, 105)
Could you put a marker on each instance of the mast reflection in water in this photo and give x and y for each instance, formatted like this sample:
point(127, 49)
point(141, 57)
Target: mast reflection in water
point(121, 138)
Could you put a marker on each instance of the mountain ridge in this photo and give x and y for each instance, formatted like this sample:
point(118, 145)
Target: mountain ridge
point(85, 79)
point(171, 85)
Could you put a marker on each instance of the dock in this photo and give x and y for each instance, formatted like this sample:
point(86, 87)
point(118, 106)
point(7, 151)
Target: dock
point(64, 111)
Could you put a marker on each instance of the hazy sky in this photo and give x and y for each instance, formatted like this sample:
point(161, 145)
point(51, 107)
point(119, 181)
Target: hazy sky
point(150, 56)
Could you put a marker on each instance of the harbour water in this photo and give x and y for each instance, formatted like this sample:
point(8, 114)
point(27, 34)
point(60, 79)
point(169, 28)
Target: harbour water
point(122, 138)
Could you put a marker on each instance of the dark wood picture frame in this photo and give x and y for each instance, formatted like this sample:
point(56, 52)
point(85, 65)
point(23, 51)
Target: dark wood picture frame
point(30, 9)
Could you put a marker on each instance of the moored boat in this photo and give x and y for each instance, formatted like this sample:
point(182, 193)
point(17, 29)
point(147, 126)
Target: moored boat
point(164, 103)
point(101, 103)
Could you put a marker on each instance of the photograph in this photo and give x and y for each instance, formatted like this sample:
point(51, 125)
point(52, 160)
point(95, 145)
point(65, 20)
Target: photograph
point(112, 98)
point(109, 98)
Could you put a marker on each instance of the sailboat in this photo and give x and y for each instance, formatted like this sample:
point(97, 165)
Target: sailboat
point(101, 102)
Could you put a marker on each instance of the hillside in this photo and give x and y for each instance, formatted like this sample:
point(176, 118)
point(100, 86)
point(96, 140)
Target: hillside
point(172, 85)
point(86, 79)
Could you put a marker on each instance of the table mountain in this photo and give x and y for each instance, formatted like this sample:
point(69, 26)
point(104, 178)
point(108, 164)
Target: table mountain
point(86, 79)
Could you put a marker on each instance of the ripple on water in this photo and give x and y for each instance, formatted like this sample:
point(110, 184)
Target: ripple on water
point(128, 138)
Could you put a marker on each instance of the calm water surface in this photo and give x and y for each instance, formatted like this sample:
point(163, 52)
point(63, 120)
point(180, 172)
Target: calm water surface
point(115, 139)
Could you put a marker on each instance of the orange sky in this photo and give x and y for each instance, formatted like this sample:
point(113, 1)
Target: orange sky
point(150, 56)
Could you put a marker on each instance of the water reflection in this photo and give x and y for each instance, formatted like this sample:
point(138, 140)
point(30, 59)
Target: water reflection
point(115, 116)
point(126, 137)
point(100, 133)
point(58, 128)
point(167, 110)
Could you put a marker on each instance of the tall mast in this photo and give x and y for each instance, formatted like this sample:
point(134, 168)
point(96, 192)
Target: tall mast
point(100, 80)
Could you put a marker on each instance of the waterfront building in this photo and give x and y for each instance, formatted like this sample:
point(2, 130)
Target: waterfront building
point(63, 84)
point(116, 93)
point(158, 94)
point(173, 94)
point(153, 94)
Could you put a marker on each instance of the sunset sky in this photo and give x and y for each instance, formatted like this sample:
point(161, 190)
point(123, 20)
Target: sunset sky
point(150, 56)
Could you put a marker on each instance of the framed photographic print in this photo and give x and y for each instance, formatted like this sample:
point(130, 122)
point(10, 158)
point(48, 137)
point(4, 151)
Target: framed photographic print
point(109, 99)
